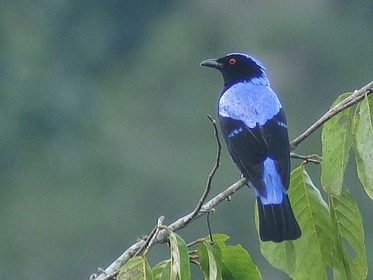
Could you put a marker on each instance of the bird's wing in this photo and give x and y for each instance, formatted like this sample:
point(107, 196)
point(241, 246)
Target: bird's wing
point(247, 149)
point(275, 133)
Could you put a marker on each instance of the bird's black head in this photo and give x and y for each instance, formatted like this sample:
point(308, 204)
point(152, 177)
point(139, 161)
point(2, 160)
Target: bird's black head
point(237, 67)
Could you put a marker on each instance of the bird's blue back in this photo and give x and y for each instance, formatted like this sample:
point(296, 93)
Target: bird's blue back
point(252, 103)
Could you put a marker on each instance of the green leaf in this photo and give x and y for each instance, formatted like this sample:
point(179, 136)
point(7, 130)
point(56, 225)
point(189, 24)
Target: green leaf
point(363, 144)
point(336, 140)
point(349, 257)
point(306, 257)
point(136, 268)
point(280, 255)
point(180, 267)
point(237, 263)
point(210, 260)
point(162, 270)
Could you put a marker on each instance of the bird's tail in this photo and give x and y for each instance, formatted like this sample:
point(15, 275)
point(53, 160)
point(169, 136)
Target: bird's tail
point(277, 222)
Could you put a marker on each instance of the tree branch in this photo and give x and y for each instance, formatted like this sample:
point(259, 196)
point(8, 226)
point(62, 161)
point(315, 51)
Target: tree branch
point(203, 208)
point(175, 226)
point(159, 235)
point(211, 175)
point(357, 96)
point(310, 158)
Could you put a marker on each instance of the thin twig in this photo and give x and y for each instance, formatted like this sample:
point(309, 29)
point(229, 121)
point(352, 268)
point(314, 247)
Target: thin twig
point(209, 225)
point(149, 238)
point(212, 173)
point(195, 242)
point(195, 262)
point(357, 96)
point(195, 257)
point(310, 158)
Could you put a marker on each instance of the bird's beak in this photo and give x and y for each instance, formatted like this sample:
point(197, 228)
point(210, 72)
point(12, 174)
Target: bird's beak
point(212, 63)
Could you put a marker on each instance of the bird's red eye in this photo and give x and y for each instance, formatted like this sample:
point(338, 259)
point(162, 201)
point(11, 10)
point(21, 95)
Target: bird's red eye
point(232, 61)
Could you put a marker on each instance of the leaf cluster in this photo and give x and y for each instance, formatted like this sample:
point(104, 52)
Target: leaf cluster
point(216, 260)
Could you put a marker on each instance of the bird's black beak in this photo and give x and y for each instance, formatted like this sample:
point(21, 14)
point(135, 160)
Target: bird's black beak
point(212, 63)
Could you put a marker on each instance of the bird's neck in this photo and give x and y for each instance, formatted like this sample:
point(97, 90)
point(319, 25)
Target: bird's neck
point(259, 81)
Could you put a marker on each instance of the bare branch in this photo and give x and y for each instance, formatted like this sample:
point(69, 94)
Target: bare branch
point(113, 269)
point(175, 226)
point(158, 235)
point(211, 175)
point(195, 242)
point(357, 96)
point(310, 158)
point(150, 238)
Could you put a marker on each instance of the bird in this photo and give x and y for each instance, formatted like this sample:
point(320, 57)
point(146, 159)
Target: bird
point(254, 128)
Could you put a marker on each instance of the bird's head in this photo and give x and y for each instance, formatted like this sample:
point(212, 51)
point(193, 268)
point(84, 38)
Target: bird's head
point(237, 67)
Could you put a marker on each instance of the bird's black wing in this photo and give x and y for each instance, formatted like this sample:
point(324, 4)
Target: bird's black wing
point(278, 148)
point(249, 147)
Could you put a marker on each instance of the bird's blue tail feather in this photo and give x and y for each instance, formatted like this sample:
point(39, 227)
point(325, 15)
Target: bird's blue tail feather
point(277, 221)
point(274, 190)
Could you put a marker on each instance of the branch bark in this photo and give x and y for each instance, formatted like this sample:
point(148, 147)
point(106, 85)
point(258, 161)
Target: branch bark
point(175, 226)
point(354, 98)
point(197, 210)
point(203, 208)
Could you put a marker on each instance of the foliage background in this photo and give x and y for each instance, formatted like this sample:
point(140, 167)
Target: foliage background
point(102, 117)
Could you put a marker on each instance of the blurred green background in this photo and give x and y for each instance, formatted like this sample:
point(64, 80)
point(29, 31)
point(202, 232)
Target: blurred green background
point(103, 118)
